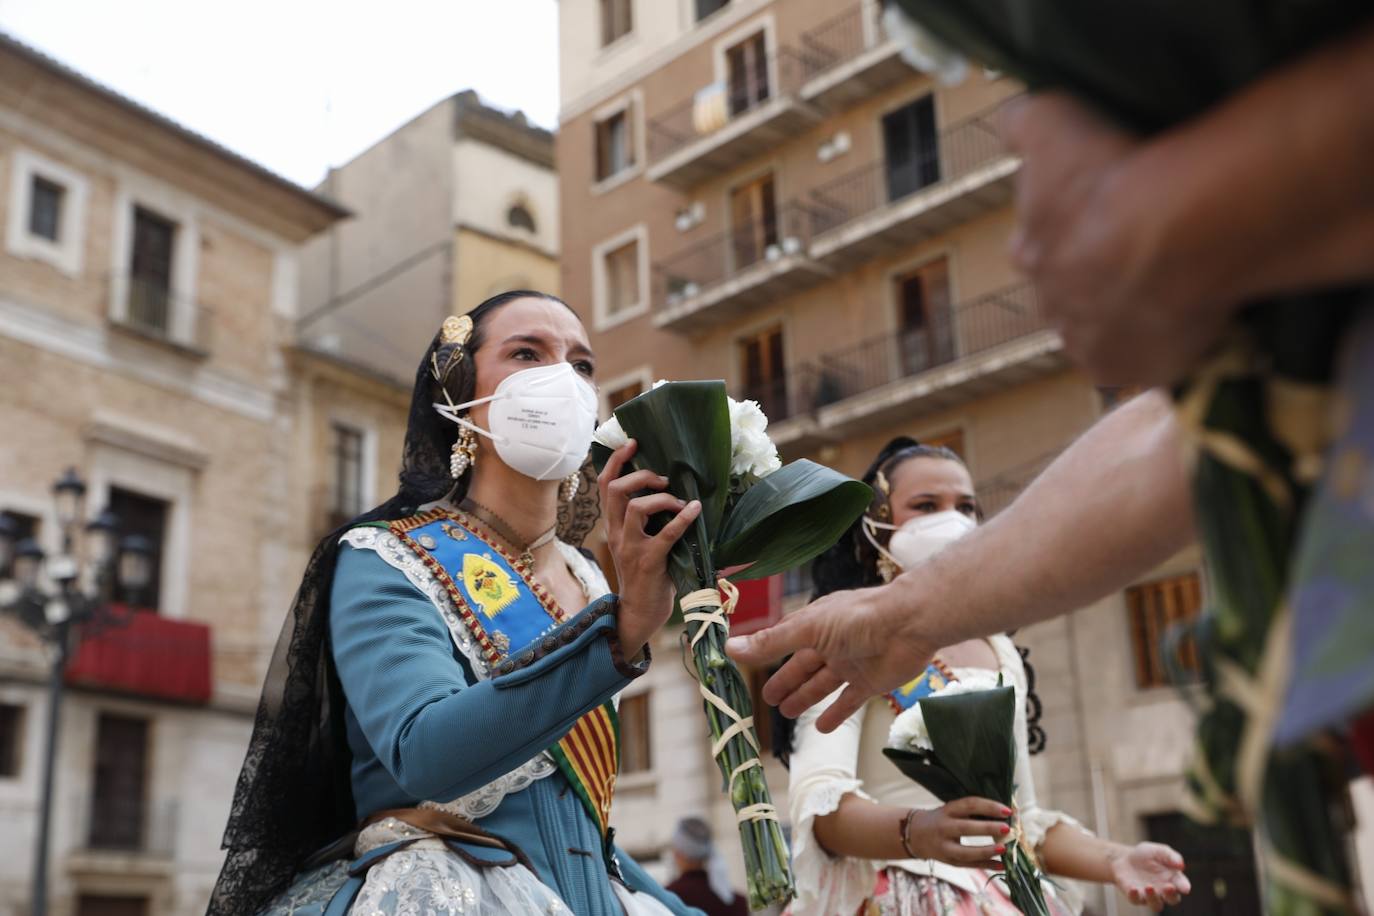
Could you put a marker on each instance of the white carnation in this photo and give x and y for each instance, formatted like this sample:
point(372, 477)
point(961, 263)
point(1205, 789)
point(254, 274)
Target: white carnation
point(751, 451)
point(923, 50)
point(611, 434)
point(909, 731)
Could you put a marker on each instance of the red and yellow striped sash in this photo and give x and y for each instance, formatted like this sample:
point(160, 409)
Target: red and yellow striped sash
point(589, 756)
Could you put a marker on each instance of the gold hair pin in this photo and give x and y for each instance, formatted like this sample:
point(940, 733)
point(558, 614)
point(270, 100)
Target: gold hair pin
point(455, 332)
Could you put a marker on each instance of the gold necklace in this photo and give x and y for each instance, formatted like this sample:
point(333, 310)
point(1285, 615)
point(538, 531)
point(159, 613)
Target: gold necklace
point(498, 526)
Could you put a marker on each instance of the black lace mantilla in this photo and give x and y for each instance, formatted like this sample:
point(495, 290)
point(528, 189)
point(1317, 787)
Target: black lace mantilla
point(293, 796)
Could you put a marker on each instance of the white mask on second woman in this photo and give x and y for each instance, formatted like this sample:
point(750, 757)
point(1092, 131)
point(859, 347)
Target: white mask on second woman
point(921, 537)
point(541, 420)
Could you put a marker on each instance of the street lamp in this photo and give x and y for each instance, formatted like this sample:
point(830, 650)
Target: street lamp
point(80, 592)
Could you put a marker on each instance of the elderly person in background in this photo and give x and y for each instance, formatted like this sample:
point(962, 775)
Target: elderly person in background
point(703, 881)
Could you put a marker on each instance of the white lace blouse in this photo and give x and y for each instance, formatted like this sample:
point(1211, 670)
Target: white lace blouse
point(825, 768)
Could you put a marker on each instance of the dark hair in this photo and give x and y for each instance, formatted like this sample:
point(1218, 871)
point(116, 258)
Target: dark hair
point(852, 562)
point(294, 793)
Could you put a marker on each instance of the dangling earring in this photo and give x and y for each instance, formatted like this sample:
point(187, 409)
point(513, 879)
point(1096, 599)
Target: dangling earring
point(464, 453)
point(570, 485)
point(887, 570)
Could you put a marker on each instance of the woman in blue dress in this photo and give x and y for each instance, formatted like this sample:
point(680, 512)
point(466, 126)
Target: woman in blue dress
point(438, 730)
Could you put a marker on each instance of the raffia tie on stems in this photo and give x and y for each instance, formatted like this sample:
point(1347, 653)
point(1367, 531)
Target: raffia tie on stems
point(705, 608)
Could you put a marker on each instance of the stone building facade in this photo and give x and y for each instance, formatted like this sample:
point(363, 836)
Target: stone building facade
point(149, 295)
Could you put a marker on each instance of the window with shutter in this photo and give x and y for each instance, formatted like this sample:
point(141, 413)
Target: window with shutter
point(45, 208)
point(763, 373)
point(747, 68)
point(118, 801)
point(924, 327)
point(147, 516)
point(911, 148)
point(636, 738)
point(150, 271)
point(1155, 609)
point(753, 221)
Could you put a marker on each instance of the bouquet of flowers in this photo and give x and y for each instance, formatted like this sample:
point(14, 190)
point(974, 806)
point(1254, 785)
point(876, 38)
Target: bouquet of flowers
point(959, 742)
point(755, 513)
point(1152, 65)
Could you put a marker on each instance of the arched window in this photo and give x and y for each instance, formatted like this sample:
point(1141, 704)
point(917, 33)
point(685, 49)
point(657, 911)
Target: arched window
point(520, 217)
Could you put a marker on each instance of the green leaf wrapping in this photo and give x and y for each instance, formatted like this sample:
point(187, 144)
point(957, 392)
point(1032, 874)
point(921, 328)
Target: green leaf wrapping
point(788, 518)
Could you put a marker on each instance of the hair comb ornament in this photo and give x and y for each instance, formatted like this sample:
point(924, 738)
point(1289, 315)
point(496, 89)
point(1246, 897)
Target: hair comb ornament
point(454, 332)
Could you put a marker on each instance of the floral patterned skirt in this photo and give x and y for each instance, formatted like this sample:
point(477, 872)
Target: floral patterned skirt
point(900, 893)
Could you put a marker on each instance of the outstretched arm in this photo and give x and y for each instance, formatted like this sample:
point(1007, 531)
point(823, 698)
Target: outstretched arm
point(1113, 506)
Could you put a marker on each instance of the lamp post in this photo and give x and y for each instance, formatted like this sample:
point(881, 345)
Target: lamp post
point(50, 595)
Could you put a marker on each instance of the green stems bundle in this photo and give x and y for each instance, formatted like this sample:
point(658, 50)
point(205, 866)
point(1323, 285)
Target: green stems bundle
point(756, 514)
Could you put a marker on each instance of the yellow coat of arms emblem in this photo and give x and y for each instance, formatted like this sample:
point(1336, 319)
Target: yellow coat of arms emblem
point(490, 589)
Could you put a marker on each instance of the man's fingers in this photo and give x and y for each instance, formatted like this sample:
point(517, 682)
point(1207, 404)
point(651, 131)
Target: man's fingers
point(821, 685)
point(798, 670)
point(1011, 121)
point(851, 701)
point(781, 639)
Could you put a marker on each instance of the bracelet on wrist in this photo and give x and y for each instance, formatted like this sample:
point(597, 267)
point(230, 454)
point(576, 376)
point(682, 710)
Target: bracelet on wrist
point(904, 833)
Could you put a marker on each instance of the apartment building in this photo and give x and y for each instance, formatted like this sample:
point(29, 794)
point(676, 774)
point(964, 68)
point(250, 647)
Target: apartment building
point(763, 191)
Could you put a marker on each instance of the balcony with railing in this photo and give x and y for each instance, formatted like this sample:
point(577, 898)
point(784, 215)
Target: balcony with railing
point(848, 58)
point(123, 835)
point(724, 124)
point(885, 206)
point(966, 351)
point(150, 309)
point(144, 654)
point(721, 276)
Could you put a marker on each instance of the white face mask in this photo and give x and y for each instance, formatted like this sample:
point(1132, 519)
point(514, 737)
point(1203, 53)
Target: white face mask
point(921, 537)
point(541, 419)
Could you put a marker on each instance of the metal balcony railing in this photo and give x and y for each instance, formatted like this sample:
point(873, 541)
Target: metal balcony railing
point(948, 335)
point(686, 122)
point(837, 40)
point(694, 270)
point(118, 823)
point(150, 308)
point(956, 152)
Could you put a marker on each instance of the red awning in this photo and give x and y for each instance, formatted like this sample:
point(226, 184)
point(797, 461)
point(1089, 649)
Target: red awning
point(760, 605)
point(148, 656)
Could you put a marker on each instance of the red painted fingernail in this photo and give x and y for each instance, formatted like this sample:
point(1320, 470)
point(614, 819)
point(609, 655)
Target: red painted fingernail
point(1001, 849)
point(1006, 812)
point(1005, 829)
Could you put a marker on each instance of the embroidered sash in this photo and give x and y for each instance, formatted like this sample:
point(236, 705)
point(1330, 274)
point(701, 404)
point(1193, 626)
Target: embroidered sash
point(507, 610)
point(936, 676)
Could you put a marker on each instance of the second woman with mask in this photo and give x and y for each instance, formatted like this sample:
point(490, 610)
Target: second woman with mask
point(868, 840)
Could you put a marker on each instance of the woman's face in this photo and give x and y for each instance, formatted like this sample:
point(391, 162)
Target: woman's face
point(926, 485)
point(524, 334)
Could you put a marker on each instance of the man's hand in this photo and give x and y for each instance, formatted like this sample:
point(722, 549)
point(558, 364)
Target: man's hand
point(863, 639)
point(1132, 308)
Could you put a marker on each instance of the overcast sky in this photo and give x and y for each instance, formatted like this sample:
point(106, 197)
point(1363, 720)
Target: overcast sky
point(300, 85)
